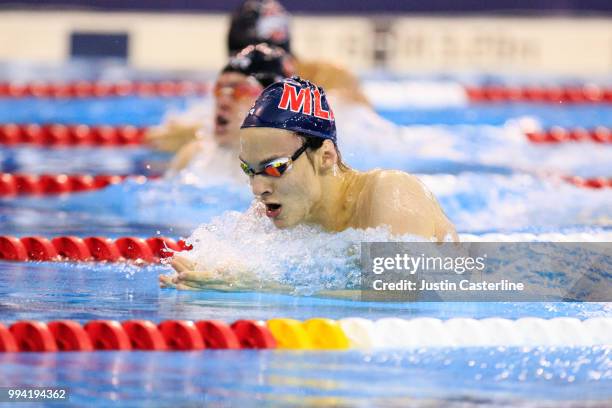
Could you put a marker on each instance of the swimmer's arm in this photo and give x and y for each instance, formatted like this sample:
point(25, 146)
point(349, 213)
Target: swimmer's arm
point(187, 278)
point(184, 156)
point(171, 137)
point(403, 203)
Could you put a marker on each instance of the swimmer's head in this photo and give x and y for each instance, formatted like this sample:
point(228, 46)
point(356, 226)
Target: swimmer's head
point(288, 148)
point(257, 21)
point(266, 63)
point(240, 82)
point(296, 105)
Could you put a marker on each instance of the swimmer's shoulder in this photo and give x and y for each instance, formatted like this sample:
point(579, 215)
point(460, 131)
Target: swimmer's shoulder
point(394, 180)
point(333, 78)
point(401, 201)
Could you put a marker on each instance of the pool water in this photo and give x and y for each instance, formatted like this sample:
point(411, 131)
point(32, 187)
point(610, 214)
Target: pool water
point(492, 183)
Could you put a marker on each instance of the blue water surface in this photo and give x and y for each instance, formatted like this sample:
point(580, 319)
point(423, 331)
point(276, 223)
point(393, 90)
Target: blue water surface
point(478, 195)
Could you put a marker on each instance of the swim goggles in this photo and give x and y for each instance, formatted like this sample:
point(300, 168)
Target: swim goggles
point(276, 167)
point(238, 91)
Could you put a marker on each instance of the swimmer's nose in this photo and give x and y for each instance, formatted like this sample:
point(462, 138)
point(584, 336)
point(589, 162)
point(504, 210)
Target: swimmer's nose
point(261, 186)
point(223, 104)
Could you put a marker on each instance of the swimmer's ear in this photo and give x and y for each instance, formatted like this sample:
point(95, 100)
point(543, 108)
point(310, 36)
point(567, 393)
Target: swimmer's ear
point(328, 156)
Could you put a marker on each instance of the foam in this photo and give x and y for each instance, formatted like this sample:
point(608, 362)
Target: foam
point(309, 260)
point(249, 242)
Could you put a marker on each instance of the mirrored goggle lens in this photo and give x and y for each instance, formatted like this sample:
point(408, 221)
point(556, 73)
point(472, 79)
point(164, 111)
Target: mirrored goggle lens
point(247, 169)
point(274, 169)
point(277, 168)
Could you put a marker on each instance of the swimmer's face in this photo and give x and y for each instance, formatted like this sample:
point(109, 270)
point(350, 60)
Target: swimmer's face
point(235, 93)
point(290, 198)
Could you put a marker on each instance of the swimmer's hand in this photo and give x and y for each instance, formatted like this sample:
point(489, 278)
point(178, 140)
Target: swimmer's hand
point(170, 137)
point(187, 278)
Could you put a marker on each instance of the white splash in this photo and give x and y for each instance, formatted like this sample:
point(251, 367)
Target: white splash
point(304, 257)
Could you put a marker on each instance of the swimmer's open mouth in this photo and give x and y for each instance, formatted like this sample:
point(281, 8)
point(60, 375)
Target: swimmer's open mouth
point(273, 210)
point(221, 121)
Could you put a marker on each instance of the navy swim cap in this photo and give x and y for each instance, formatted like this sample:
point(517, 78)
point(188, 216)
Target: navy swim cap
point(263, 62)
point(296, 105)
point(257, 21)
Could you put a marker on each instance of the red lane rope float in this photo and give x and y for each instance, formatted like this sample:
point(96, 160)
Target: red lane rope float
point(70, 336)
point(144, 335)
point(13, 184)
point(33, 336)
point(70, 248)
point(557, 134)
point(60, 135)
point(181, 335)
point(177, 335)
point(253, 334)
point(593, 183)
point(552, 94)
point(7, 340)
point(107, 335)
point(99, 89)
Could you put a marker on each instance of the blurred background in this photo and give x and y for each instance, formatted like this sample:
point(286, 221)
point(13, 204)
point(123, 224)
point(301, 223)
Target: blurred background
point(559, 37)
point(503, 108)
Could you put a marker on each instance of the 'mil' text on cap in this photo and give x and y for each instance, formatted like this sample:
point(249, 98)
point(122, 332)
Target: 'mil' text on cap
point(306, 101)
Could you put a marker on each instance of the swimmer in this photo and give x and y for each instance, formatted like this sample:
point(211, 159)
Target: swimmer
point(288, 149)
point(268, 21)
point(238, 85)
point(254, 22)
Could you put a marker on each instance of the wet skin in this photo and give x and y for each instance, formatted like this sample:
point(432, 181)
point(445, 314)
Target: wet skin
point(315, 191)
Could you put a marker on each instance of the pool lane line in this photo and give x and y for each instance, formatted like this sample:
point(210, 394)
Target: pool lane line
point(596, 183)
point(558, 134)
point(80, 135)
point(98, 249)
point(169, 335)
point(71, 135)
point(102, 89)
point(13, 185)
point(23, 184)
point(172, 335)
point(311, 334)
point(565, 95)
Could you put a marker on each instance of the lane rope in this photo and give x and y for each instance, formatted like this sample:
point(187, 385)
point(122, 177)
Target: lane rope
point(558, 134)
point(102, 89)
point(99, 249)
point(312, 334)
point(584, 94)
point(22, 184)
point(60, 135)
point(71, 135)
point(13, 185)
point(177, 335)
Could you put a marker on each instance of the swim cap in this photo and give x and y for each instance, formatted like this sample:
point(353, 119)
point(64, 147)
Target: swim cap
point(257, 21)
point(294, 104)
point(263, 62)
